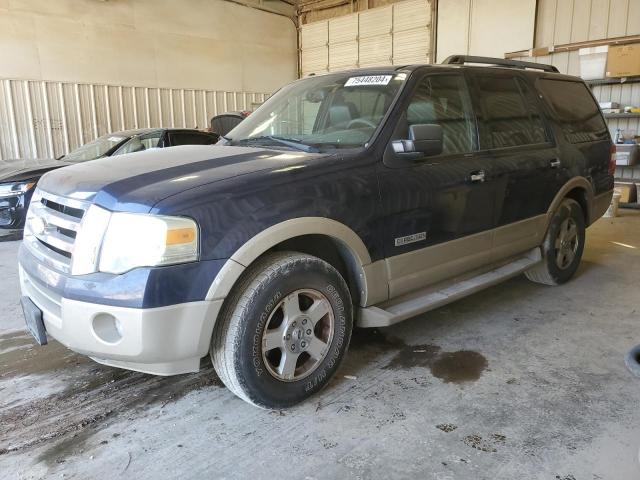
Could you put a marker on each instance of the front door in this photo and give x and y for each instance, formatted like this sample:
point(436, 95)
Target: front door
point(438, 210)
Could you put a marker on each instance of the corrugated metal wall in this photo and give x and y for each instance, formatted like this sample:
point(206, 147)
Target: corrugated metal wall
point(42, 119)
point(392, 35)
point(569, 21)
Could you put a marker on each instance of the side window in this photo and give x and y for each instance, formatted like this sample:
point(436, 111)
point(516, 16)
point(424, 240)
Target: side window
point(443, 100)
point(575, 110)
point(510, 116)
point(139, 143)
point(191, 138)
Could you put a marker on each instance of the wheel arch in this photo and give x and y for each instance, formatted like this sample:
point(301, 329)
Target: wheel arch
point(578, 189)
point(323, 237)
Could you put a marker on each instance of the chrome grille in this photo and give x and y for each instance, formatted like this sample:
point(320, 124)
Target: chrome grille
point(51, 228)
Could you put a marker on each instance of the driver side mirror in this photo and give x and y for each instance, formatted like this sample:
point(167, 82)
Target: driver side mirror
point(424, 138)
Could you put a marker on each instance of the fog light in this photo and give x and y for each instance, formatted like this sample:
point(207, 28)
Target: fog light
point(107, 328)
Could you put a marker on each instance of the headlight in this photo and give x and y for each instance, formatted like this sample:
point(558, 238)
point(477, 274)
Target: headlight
point(142, 240)
point(15, 188)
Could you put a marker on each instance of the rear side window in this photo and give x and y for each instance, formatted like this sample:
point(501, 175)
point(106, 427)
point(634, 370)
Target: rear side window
point(575, 109)
point(191, 139)
point(510, 116)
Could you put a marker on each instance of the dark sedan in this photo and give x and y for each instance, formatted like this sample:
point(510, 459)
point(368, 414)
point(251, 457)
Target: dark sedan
point(19, 177)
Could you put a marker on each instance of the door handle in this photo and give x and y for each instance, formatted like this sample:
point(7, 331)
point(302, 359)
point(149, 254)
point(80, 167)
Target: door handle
point(555, 163)
point(477, 177)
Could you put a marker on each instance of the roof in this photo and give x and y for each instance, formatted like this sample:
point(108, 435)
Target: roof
point(484, 63)
point(144, 131)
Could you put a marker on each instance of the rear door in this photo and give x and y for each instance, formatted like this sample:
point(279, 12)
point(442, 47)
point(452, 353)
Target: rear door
point(525, 161)
point(438, 210)
point(581, 129)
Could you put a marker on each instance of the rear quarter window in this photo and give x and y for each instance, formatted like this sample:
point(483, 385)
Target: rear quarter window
point(575, 109)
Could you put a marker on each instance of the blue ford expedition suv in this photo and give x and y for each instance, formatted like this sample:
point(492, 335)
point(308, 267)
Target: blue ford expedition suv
point(359, 198)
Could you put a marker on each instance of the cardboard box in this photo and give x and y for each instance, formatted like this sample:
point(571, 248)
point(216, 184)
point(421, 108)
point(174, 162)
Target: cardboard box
point(593, 62)
point(608, 105)
point(626, 154)
point(628, 192)
point(623, 60)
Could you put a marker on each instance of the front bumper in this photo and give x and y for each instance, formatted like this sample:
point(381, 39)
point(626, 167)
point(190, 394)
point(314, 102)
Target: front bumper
point(164, 340)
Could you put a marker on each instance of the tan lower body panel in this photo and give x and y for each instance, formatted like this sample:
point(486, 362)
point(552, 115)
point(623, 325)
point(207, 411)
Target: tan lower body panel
point(600, 205)
point(429, 298)
point(411, 271)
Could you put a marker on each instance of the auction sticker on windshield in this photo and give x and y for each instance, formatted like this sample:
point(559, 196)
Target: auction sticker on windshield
point(368, 80)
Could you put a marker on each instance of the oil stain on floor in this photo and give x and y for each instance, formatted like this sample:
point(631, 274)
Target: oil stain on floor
point(450, 367)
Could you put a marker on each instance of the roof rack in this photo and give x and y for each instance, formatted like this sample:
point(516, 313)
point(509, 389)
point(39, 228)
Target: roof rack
point(462, 59)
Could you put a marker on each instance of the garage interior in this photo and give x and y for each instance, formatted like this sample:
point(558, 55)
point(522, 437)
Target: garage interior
point(518, 381)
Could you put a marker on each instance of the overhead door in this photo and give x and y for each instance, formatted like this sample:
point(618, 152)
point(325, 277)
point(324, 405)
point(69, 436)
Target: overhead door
point(397, 34)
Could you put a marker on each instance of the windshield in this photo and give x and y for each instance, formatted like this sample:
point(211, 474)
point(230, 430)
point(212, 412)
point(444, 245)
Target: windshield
point(329, 111)
point(96, 149)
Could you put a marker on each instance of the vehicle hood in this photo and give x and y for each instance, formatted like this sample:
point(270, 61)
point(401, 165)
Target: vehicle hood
point(26, 169)
point(136, 182)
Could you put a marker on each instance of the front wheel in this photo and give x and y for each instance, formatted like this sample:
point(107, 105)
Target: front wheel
point(563, 246)
point(284, 330)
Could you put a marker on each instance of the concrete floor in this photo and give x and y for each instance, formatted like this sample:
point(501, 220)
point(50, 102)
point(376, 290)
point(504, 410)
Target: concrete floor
point(520, 381)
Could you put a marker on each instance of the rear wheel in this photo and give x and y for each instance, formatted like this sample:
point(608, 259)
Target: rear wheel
point(283, 331)
point(563, 246)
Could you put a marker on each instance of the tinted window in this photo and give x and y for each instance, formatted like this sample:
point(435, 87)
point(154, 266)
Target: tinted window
point(191, 138)
point(223, 124)
point(139, 143)
point(575, 109)
point(510, 116)
point(442, 100)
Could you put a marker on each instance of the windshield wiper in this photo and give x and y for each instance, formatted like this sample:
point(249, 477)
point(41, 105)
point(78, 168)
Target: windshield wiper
point(289, 142)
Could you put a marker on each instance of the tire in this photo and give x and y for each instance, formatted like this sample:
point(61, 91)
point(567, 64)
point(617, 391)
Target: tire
point(560, 255)
point(632, 360)
point(259, 322)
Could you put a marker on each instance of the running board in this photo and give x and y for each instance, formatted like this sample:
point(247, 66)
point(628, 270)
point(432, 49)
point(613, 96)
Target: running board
point(421, 301)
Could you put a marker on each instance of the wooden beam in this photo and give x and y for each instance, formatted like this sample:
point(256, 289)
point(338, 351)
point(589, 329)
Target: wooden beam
point(568, 47)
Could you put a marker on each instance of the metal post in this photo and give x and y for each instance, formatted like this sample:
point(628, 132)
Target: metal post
point(184, 113)
point(76, 92)
point(47, 119)
point(12, 119)
point(146, 101)
point(160, 120)
point(94, 116)
point(63, 111)
point(135, 107)
point(121, 102)
point(32, 129)
point(171, 106)
point(107, 104)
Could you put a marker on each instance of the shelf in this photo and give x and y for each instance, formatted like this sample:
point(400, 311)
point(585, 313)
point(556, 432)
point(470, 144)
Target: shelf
point(613, 81)
point(619, 116)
